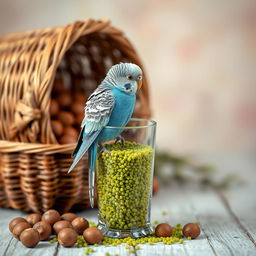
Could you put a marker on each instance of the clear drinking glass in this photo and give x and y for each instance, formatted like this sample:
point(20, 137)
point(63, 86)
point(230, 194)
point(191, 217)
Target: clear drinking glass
point(124, 181)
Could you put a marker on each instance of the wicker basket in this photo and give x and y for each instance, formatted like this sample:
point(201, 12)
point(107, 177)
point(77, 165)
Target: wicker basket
point(33, 165)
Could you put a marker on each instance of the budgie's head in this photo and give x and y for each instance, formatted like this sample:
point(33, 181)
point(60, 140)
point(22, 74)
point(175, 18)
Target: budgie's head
point(125, 76)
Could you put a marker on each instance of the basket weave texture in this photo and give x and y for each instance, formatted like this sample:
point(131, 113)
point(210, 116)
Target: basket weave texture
point(33, 165)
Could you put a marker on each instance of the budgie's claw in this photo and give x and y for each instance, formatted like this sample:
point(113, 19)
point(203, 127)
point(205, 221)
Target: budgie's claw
point(121, 139)
point(103, 149)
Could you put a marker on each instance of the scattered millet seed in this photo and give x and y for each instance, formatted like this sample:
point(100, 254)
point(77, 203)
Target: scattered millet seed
point(175, 238)
point(128, 241)
point(88, 251)
point(53, 240)
point(92, 224)
point(164, 213)
point(81, 242)
point(124, 184)
point(107, 254)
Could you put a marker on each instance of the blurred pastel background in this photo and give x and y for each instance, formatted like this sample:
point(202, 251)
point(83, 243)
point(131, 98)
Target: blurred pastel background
point(200, 57)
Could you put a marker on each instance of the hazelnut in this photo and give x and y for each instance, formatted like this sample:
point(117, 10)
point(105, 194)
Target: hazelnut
point(51, 216)
point(30, 237)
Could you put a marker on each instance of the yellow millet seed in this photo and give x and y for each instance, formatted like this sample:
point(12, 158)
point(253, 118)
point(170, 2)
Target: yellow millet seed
point(88, 251)
point(151, 240)
point(53, 240)
point(92, 224)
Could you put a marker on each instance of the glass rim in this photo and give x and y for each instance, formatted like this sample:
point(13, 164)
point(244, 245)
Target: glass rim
point(151, 123)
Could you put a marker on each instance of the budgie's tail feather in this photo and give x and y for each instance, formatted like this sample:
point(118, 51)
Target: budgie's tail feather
point(92, 154)
point(84, 146)
point(79, 142)
point(82, 150)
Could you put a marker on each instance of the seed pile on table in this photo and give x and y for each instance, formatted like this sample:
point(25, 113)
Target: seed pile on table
point(124, 185)
point(67, 227)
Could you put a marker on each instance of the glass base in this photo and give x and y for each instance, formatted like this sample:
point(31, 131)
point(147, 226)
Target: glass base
point(118, 233)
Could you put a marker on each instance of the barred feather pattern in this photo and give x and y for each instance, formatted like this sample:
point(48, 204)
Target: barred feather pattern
point(98, 109)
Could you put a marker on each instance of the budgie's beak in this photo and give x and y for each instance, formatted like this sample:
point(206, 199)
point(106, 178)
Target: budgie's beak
point(139, 82)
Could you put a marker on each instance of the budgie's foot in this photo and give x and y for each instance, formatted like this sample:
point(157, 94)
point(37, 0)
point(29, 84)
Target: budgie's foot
point(121, 139)
point(103, 149)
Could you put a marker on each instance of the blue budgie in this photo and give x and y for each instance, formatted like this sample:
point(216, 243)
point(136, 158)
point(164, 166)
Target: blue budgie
point(111, 104)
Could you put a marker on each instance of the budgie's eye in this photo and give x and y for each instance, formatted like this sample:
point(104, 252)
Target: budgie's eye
point(139, 77)
point(129, 77)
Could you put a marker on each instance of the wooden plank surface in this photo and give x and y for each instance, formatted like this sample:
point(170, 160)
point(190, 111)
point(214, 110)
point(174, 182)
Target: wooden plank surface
point(243, 208)
point(221, 234)
point(228, 223)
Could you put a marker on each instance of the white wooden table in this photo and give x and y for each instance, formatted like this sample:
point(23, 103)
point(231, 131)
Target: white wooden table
point(228, 220)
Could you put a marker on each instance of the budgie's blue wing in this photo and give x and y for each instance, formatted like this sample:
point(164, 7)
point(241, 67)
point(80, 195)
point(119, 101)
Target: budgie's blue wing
point(97, 112)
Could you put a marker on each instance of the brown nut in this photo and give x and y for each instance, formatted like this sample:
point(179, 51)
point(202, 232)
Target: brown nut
point(67, 237)
point(29, 237)
point(191, 230)
point(93, 235)
point(44, 229)
point(64, 99)
point(80, 97)
point(66, 118)
point(57, 127)
point(51, 216)
point(15, 221)
point(79, 225)
point(54, 107)
point(77, 108)
point(155, 185)
point(33, 218)
point(163, 230)
point(61, 224)
point(68, 216)
point(17, 230)
point(66, 139)
point(71, 131)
